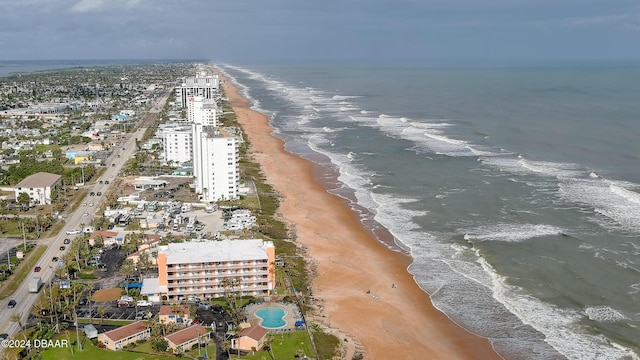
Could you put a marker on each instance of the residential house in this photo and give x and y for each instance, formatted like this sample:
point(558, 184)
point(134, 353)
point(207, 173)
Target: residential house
point(250, 338)
point(118, 338)
point(108, 238)
point(173, 314)
point(186, 338)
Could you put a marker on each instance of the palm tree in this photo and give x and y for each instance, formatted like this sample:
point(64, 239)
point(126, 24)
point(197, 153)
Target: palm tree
point(226, 346)
point(268, 345)
point(102, 311)
point(127, 269)
point(17, 317)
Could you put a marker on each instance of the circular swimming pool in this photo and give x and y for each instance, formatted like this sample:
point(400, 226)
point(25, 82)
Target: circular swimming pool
point(272, 317)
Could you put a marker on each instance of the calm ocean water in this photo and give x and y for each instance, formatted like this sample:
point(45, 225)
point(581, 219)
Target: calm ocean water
point(515, 189)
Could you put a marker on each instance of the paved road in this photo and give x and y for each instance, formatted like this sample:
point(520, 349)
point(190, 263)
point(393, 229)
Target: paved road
point(23, 297)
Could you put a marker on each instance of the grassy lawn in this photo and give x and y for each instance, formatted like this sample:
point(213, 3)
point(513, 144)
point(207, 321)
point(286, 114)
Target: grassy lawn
point(25, 268)
point(210, 351)
point(285, 346)
point(91, 352)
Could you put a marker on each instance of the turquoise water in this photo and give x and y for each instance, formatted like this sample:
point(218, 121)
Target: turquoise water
point(272, 318)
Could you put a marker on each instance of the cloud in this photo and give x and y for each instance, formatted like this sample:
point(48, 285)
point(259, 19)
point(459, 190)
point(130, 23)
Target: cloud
point(96, 6)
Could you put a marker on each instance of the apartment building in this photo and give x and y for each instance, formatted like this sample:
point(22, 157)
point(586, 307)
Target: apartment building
point(178, 144)
point(211, 269)
point(215, 154)
point(39, 187)
point(201, 110)
point(206, 86)
point(216, 165)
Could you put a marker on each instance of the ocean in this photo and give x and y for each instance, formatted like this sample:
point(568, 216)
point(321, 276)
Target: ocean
point(514, 188)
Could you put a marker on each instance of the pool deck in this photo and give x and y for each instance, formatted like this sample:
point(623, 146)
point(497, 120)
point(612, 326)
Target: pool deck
point(290, 317)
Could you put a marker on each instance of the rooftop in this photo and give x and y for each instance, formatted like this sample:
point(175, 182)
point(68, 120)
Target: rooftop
point(187, 334)
point(254, 332)
point(168, 309)
point(213, 251)
point(126, 331)
point(41, 179)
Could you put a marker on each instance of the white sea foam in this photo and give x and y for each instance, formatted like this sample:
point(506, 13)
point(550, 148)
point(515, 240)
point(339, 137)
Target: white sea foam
point(521, 166)
point(511, 232)
point(604, 314)
point(559, 325)
point(442, 270)
point(345, 97)
point(610, 200)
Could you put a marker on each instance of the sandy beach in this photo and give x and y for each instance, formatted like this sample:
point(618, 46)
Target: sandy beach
point(396, 320)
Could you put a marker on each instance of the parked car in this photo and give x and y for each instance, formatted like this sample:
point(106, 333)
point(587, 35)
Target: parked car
point(62, 248)
point(11, 304)
point(4, 336)
point(123, 303)
point(204, 306)
point(67, 241)
point(55, 259)
point(37, 269)
point(144, 303)
point(99, 193)
point(73, 232)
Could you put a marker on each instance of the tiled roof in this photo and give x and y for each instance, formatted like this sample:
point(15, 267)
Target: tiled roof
point(254, 332)
point(184, 335)
point(104, 234)
point(126, 331)
point(168, 310)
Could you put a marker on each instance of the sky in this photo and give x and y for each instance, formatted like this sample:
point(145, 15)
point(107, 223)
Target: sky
point(303, 30)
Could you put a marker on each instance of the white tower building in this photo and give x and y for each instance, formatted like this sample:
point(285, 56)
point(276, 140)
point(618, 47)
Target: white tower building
point(217, 177)
point(207, 86)
point(178, 144)
point(215, 153)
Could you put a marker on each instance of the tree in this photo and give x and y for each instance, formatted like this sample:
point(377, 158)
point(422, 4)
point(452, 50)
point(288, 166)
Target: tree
point(102, 311)
point(144, 262)
point(23, 200)
point(268, 345)
point(226, 346)
point(17, 317)
point(160, 345)
point(127, 269)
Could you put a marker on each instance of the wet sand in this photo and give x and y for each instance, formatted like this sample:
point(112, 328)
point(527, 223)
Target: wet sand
point(396, 320)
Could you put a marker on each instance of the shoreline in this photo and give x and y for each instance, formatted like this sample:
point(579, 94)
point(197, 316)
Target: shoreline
point(365, 290)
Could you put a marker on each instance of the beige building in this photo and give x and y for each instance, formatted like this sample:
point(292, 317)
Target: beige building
point(250, 338)
point(118, 338)
point(39, 187)
point(185, 339)
point(168, 314)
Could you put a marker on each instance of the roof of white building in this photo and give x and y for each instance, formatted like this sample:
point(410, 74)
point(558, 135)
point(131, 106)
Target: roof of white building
point(41, 179)
point(150, 286)
point(212, 251)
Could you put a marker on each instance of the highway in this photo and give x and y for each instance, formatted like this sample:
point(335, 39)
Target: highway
point(22, 296)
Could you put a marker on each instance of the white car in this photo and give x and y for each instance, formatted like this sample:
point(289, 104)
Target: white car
point(73, 232)
point(144, 303)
